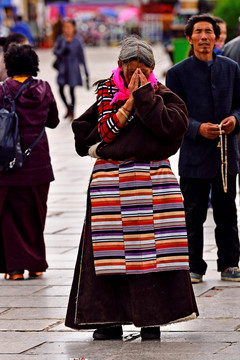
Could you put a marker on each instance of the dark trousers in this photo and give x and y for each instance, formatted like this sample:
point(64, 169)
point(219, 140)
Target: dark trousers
point(23, 212)
point(196, 193)
point(72, 95)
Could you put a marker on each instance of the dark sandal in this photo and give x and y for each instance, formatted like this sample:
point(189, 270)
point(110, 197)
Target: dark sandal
point(35, 274)
point(14, 275)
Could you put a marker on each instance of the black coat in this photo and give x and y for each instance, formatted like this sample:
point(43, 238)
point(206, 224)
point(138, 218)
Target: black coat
point(211, 94)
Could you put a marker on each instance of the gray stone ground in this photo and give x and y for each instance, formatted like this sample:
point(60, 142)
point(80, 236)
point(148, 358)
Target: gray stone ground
point(32, 311)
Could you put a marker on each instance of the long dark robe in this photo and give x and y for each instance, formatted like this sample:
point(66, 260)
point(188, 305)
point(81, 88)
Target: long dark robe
point(142, 300)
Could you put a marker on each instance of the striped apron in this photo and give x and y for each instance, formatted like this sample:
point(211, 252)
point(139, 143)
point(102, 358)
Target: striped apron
point(137, 218)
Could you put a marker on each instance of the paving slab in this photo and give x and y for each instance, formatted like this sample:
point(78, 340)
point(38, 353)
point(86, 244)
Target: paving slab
point(201, 325)
point(11, 290)
point(27, 325)
point(35, 313)
point(34, 301)
point(92, 349)
point(16, 343)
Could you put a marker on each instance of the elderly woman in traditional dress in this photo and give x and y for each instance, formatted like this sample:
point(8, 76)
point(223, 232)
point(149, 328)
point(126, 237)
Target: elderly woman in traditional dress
point(132, 266)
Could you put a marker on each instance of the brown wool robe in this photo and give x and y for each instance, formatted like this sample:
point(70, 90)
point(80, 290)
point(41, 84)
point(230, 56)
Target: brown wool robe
point(144, 299)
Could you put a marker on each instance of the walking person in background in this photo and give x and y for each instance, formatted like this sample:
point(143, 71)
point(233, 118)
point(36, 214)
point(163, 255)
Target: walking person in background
point(210, 87)
point(218, 48)
point(69, 51)
point(57, 28)
point(24, 192)
point(132, 266)
point(4, 44)
point(23, 28)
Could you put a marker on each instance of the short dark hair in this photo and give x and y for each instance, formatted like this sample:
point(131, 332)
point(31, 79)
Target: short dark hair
point(219, 20)
point(71, 21)
point(203, 17)
point(21, 59)
point(14, 37)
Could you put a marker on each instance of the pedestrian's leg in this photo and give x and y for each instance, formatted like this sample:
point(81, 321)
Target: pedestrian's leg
point(225, 216)
point(195, 193)
point(63, 97)
point(71, 108)
point(72, 94)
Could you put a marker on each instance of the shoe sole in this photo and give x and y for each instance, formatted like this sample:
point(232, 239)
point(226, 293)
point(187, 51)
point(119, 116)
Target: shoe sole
point(35, 275)
point(230, 279)
point(103, 337)
point(196, 281)
point(15, 277)
point(150, 337)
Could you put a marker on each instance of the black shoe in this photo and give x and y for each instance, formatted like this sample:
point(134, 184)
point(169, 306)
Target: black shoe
point(67, 113)
point(150, 333)
point(71, 113)
point(108, 333)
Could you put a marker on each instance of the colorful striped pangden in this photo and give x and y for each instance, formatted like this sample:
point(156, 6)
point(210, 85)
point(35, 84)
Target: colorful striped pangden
point(138, 221)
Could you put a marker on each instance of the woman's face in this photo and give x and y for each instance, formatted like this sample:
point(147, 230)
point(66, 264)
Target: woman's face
point(223, 36)
point(68, 29)
point(129, 69)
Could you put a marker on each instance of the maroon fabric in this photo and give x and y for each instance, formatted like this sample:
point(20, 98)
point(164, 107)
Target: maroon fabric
point(36, 108)
point(22, 218)
point(142, 300)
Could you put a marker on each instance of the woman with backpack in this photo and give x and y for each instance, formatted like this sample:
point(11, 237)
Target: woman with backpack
point(24, 192)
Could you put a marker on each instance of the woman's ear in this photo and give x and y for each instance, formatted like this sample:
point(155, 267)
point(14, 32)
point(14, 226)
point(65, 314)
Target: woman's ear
point(152, 68)
point(120, 64)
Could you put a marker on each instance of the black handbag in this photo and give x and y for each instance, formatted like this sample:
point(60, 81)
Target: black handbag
point(56, 64)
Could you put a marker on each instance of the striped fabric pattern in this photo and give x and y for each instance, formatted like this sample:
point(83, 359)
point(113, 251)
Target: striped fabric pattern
point(137, 218)
point(109, 125)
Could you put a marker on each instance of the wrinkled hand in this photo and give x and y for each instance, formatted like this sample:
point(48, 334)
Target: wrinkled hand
point(138, 79)
point(209, 130)
point(228, 124)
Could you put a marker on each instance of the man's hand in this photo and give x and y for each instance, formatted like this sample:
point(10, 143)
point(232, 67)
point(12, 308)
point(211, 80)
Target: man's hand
point(228, 124)
point(209, 130)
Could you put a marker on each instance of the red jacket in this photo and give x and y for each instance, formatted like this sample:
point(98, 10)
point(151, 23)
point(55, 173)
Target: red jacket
point(36, 107)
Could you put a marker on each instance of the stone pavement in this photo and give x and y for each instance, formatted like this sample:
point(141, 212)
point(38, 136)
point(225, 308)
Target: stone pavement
point(32, 311)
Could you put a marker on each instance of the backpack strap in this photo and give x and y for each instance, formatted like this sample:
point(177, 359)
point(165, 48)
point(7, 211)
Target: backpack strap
point(5, 98)
point(29, 149)
point(24, 86)
point(12, 101)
